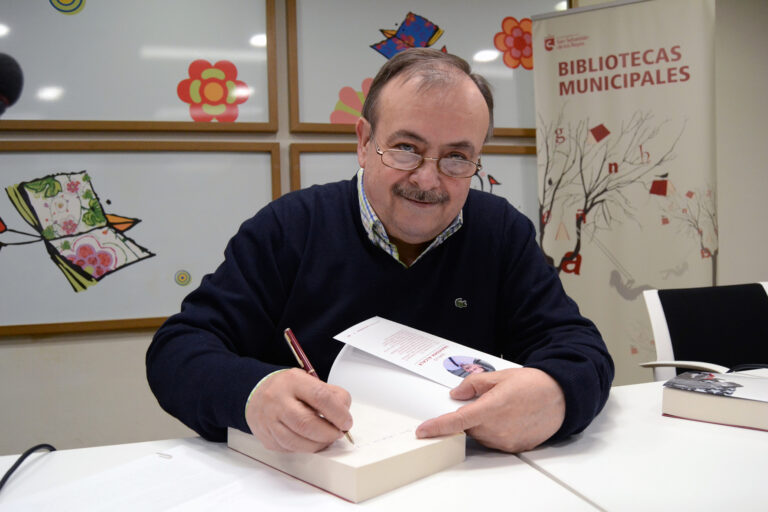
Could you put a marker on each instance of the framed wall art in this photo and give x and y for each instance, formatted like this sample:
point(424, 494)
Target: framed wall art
point(112, 235)
point(511, 172)
point(318, 163)
point(142, 65)
point(336, 47)
point(508, 171)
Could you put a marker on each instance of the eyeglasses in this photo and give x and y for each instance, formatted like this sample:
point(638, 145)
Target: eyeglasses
point(409, 161)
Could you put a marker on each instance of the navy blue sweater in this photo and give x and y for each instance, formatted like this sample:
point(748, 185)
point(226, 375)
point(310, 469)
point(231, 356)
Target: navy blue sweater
point(305, 262)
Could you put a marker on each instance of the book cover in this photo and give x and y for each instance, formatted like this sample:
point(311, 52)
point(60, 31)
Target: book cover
point(728, 399)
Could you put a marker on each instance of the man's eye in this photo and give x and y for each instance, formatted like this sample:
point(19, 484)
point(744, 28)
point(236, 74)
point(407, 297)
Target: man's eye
point(405, 147)
point(457, 156)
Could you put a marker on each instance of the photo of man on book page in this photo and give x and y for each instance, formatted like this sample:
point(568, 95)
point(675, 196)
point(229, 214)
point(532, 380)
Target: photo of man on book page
point(463, 366)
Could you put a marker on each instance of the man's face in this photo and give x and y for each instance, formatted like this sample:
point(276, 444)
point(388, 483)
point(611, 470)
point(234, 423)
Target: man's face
point(442, 121)
point(472, 368)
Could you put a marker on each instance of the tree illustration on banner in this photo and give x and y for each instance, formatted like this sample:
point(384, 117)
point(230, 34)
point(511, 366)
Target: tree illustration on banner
point(588, 170)
point(67, 216)
point(692, 213)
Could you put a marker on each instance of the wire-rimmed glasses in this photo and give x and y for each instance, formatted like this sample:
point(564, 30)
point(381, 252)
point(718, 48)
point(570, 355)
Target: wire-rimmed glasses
point(409, 161)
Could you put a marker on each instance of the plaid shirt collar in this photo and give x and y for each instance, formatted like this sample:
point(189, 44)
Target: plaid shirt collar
point(378, 235)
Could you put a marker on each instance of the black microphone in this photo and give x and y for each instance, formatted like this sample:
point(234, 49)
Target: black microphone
point(11, 81)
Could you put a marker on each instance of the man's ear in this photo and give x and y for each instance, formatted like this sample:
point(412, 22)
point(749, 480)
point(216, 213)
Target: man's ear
point(363, 131)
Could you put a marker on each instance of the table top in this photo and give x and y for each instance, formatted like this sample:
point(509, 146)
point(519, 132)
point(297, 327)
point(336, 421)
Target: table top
point(630, 458)
point(193, 474)
point(633, 458)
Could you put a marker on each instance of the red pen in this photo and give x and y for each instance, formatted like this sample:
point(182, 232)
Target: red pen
point(301, 357)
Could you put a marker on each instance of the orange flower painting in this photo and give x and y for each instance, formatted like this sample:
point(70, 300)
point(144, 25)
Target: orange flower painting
point(213, 91)
point(515, 42)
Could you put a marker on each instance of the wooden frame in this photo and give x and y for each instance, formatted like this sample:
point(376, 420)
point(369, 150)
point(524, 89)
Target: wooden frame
point(270, 125)
point(297, 124)
point(296, 151)
point(312, 147)
point(523, 194)
point(165, 153)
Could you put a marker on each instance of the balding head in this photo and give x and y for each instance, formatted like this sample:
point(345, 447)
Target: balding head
point(433, 69)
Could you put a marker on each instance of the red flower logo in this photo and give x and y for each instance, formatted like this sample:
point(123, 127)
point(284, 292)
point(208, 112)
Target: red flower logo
point(213, 91)
point(515, 42)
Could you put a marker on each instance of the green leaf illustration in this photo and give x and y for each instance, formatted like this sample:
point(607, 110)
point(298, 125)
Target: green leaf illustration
point(49, 187)
point(94, 215)
point(48, 233)
point(66, 246)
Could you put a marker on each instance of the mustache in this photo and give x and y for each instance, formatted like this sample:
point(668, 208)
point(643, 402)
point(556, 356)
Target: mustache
point(422, 196)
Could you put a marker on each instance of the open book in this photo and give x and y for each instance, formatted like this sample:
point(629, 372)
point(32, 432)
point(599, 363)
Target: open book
point(84, 242)
point(398, 377)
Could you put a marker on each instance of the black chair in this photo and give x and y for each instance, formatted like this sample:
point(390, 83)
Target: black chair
point(717, 328)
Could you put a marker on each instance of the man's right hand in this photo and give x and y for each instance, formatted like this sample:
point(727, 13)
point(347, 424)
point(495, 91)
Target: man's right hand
point(292, 411)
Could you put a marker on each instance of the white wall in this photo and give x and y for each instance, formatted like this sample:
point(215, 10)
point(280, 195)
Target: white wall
point(73, 391)
point(87, 390)
point(742, 139)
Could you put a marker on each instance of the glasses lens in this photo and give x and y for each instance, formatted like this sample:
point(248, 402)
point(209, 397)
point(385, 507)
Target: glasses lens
point(403, 160)
point(457, 168)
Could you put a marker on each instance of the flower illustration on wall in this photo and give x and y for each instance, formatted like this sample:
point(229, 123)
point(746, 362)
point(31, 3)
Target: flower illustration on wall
point(350, 105)
point(514, 41)
point(213, 91)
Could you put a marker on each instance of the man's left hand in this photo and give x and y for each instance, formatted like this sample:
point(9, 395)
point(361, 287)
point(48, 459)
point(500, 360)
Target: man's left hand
point(516, 410)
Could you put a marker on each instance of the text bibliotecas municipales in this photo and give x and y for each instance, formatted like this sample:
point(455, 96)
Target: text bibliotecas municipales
point(630, 71)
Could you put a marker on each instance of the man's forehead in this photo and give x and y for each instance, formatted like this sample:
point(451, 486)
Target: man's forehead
point(459, 97)
point(423, 80)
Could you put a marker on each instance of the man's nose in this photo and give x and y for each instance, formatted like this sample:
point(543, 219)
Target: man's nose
point(427, 175)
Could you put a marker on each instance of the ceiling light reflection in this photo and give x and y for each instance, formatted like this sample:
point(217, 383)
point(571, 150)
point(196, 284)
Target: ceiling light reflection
point(243, 92)
point(259, 40)
point(486, 56)
point(51, 93)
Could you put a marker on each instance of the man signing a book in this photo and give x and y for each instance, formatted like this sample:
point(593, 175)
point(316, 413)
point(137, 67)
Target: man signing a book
point(405, 239)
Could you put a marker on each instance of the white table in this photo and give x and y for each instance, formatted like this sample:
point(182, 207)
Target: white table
point(630, 458)
point(208, 476)
point(633, 458)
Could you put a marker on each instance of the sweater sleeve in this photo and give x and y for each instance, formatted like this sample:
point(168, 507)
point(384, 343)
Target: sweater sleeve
point(546, 331)
point(204, 361)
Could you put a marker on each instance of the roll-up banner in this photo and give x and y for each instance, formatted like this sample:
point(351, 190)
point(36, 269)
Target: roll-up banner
point(626, 160)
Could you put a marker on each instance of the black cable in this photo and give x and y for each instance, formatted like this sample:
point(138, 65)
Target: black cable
point(21, 459)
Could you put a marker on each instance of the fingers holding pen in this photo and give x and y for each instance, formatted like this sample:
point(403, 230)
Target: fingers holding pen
point(293, 411)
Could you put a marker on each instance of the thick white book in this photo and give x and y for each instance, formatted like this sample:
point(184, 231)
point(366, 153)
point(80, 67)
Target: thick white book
point(398, 377)
point(386, 455)
point(725, 398)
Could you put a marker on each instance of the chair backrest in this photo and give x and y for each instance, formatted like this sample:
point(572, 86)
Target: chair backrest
point(725, 325)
